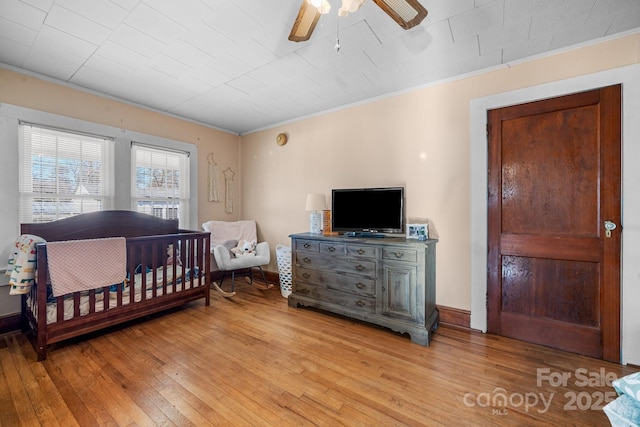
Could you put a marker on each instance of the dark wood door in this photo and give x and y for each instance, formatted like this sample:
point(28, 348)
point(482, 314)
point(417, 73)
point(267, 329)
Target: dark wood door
point(554, 179)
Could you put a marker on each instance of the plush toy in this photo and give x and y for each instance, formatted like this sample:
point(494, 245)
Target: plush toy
point(245, 248)
point(170, 256)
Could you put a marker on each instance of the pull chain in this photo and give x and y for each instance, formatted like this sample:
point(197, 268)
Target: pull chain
point(337, 46)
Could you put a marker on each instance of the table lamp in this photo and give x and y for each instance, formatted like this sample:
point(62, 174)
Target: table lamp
point(316, 204)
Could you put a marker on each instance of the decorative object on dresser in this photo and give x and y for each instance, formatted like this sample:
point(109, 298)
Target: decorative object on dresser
point(387, 281)
point(326, 221)
point(316, 203)
point(418, 231)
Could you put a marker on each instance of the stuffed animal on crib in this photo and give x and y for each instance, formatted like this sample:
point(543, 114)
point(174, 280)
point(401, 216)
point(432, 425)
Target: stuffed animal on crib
point(245, 248)
point(170, 256)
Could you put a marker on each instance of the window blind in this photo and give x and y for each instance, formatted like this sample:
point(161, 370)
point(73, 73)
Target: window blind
point(160, 182)
point(63, 173)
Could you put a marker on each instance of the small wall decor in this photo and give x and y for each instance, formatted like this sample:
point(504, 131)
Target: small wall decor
point(281, 139)
point(418, 231)
point(228, 186)
point(214, 171)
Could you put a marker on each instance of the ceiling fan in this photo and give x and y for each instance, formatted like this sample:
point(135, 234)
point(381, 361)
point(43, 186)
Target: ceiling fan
point(407, 13)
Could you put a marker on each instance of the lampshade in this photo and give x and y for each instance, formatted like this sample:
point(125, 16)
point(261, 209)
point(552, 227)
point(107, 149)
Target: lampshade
point(349, 6)
point(315, 202)
point(323, 6)
point(305, 22)
point(407, 13)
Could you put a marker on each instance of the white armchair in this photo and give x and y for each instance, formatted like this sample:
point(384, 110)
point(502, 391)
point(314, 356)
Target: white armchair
point(224, 236)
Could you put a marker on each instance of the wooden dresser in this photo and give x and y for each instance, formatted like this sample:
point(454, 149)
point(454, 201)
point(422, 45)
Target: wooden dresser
point(387, 281)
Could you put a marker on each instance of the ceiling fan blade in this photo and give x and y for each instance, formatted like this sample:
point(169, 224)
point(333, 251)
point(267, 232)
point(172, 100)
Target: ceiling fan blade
point(305, 22)
point(407, 13)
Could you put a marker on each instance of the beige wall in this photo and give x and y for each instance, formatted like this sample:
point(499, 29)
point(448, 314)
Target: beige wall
point(420, 140)
point(30, 92)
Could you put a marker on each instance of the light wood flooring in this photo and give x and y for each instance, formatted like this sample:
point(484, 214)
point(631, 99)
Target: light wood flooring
point(251, 360)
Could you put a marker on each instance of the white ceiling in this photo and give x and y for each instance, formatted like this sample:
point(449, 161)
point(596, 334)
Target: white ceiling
point(228, 63)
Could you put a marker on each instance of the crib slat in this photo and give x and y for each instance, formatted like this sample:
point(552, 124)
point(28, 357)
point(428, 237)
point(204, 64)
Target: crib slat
point(143, 281)
point(105, 302)
point(174, 266)
point(92, 301)
point(156, 246)
point(76, 304)
point(60, 309)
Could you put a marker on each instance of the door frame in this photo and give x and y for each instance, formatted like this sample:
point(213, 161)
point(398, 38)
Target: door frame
point(629, 77)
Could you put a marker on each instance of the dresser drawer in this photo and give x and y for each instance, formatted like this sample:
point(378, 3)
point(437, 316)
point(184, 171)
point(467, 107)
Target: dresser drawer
point(317, 277)
point(357, 267)
point(353, 302)
point(400, 254)
point(310, 260)
point(362, 251)
point(341, 282)
point(330, 248)
point(352, 284)
point(307, 245)
point(316, 261)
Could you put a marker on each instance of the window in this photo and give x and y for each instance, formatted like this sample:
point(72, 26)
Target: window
point(160, 182)
point(55, 167)
point(62, 174)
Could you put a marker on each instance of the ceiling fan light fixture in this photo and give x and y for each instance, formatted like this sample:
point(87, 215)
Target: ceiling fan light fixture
point(349, 6)
point(323, 6)
point(407, 13)
point(305, 22)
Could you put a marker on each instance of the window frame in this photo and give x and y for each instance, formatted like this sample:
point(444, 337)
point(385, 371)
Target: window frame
point(183, 191)
point(11, 115)
point(67, 146)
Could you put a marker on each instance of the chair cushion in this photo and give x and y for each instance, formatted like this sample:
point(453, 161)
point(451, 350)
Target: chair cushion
point(224, 231)
point(226, 261)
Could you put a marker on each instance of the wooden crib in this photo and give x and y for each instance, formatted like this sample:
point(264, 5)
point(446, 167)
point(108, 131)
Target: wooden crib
point(156, 279)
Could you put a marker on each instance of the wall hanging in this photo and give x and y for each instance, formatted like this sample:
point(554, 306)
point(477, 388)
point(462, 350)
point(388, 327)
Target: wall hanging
point(214, 171)
point(228, 185)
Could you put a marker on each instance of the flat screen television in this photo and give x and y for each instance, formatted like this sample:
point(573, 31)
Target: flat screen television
point(367, 210)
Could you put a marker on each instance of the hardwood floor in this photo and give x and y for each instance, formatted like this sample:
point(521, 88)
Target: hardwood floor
point(251, 360)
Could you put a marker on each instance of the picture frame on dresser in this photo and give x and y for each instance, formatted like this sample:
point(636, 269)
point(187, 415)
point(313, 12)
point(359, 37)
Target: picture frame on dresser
point(414, 231)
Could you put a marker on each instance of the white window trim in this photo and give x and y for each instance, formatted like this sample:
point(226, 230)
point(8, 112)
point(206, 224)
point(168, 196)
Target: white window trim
point(183, 190)
point(11, 115)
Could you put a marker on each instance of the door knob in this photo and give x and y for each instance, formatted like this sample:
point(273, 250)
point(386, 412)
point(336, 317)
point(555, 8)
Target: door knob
point(609, 226)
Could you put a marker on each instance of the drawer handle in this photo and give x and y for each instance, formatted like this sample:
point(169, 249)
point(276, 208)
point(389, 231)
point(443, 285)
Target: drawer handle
point(331, 249)
point(399, 254)
point(360, 267)
point(361, 251)
point(360, 303)
point(360, 285)
point(307, 245)
point(307, 260)
point(306, 275)
point(302, 291)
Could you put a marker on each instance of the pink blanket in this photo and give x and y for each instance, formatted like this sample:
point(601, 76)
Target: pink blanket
point(78, 265)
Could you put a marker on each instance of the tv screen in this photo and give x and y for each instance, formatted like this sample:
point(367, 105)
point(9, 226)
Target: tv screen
point(375, 210)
